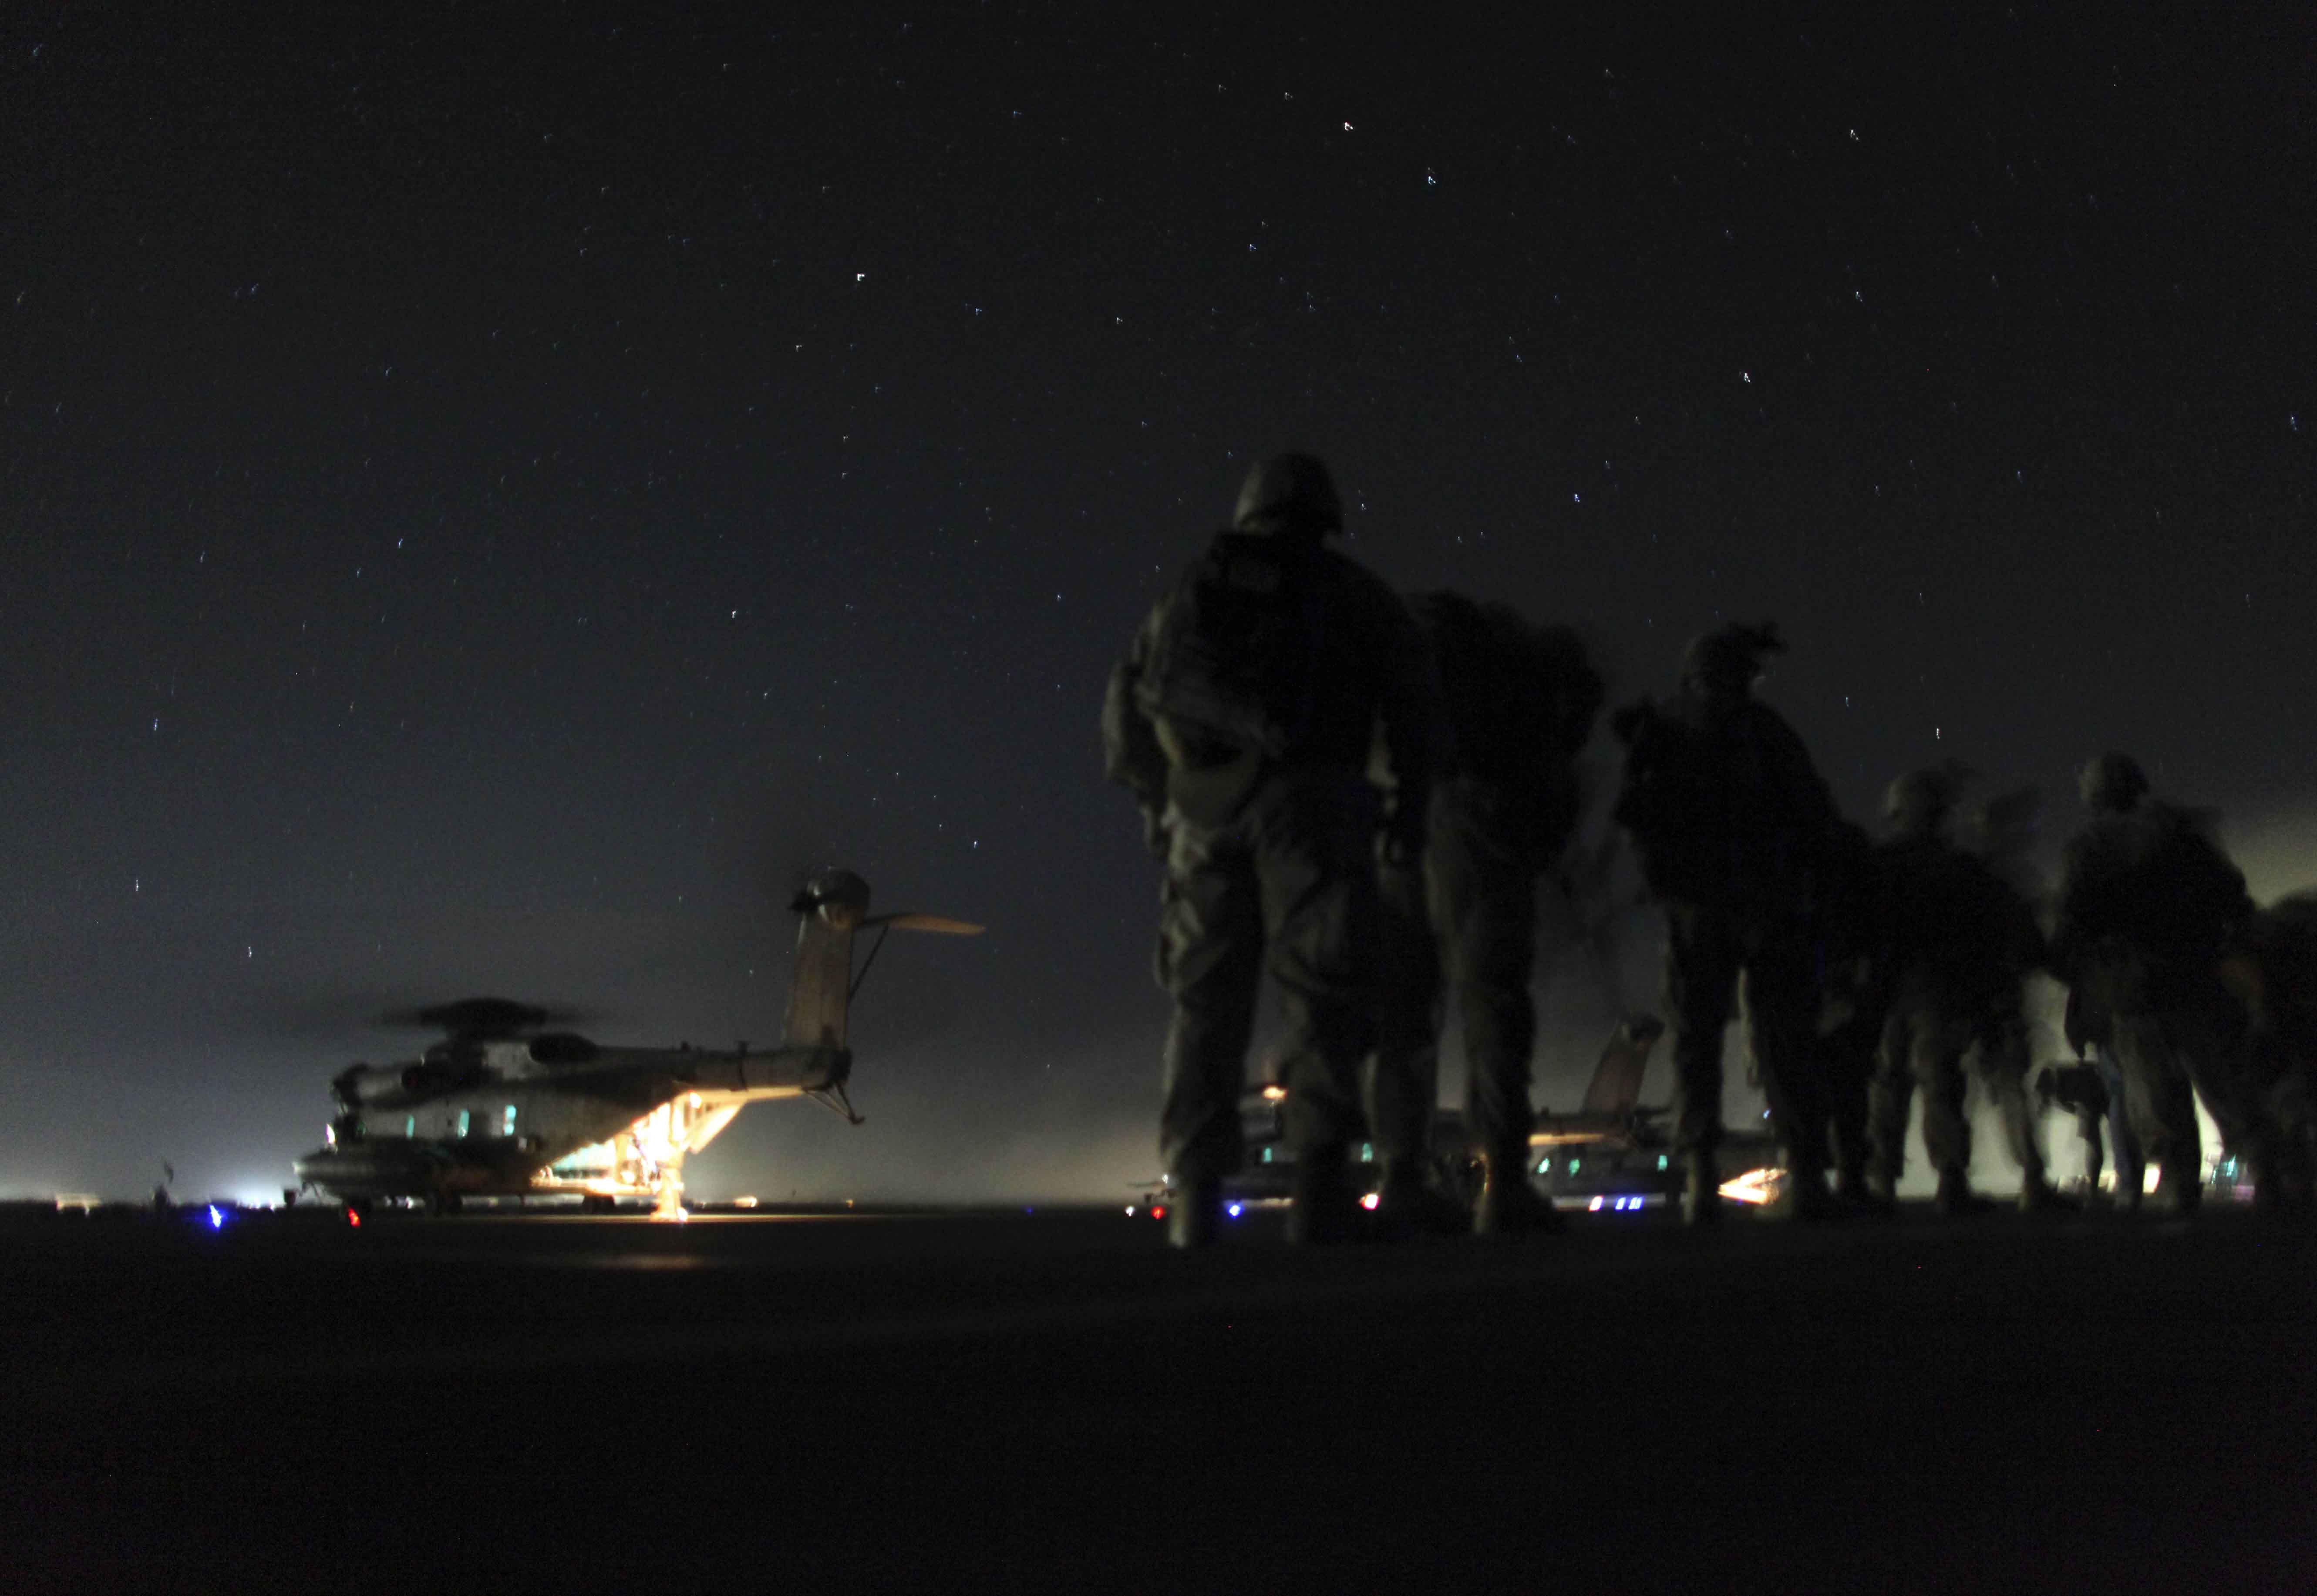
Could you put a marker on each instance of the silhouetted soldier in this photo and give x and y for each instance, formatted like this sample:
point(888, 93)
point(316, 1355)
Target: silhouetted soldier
point(2147, 907)
point(2086, 1029)
point(1242, 719)
point(2078, 1091)
point(1960, 943)
point(1520, 702)
point(1854, 1000)
point(1732, 823)
point(2272, 971)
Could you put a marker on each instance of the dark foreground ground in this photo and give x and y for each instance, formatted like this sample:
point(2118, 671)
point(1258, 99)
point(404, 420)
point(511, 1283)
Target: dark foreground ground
point(1051, 1399)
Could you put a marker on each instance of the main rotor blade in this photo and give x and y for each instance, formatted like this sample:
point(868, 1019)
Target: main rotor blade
point(906, 921)
point(483, 1017)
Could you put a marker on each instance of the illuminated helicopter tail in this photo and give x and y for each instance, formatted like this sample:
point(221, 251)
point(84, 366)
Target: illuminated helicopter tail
point(835, 904)
point(1615, 1088)
point(832, 903)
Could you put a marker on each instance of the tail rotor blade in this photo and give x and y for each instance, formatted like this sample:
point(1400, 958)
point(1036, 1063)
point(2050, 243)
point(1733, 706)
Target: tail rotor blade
point(926, 922)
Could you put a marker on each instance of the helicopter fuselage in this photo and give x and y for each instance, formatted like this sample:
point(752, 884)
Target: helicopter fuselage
point(485, 1119)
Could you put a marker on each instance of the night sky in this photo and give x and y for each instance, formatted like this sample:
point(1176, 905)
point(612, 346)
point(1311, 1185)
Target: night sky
point(490, 498)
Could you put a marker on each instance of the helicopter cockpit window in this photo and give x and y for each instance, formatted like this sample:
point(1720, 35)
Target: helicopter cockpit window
point(561, 1047)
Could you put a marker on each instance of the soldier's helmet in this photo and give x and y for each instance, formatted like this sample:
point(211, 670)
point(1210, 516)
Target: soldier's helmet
point(1289, 493)
point(1918, 804)
point(2112, 783)
point(1726, 662)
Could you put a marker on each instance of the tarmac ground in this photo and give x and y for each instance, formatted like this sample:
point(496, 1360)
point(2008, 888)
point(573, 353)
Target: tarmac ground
point(2078, 1403)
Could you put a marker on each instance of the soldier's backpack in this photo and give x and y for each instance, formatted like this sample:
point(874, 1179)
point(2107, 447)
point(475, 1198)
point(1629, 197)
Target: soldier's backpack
point(2191, 898)
point(1518, 698)
point(1670, 805)
point(1235, 664)
point(1725, 811)
point(1520, 702)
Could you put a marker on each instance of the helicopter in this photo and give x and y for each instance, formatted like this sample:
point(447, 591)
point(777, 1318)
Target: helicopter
point(505, 1105)
point(1614, 1150)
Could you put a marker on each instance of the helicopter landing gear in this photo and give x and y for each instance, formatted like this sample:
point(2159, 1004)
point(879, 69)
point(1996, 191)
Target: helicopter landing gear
point(670, 1206)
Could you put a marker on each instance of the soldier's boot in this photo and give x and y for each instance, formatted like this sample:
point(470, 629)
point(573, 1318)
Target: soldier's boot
point(2178, 1192)
point(2037, 1195)
point(1407, 1204)
point(1322, 1210)
point(1194, 1219)
point(1701, 1196)
point(2272, 1192)
point(2294, 1168)
point(1850, 1181)
point(1881, 1190)
point(2267, 1196)
point(1954, 1198)
point(1803, 1198)
point(1856, 1192)
point(1508, 1205)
